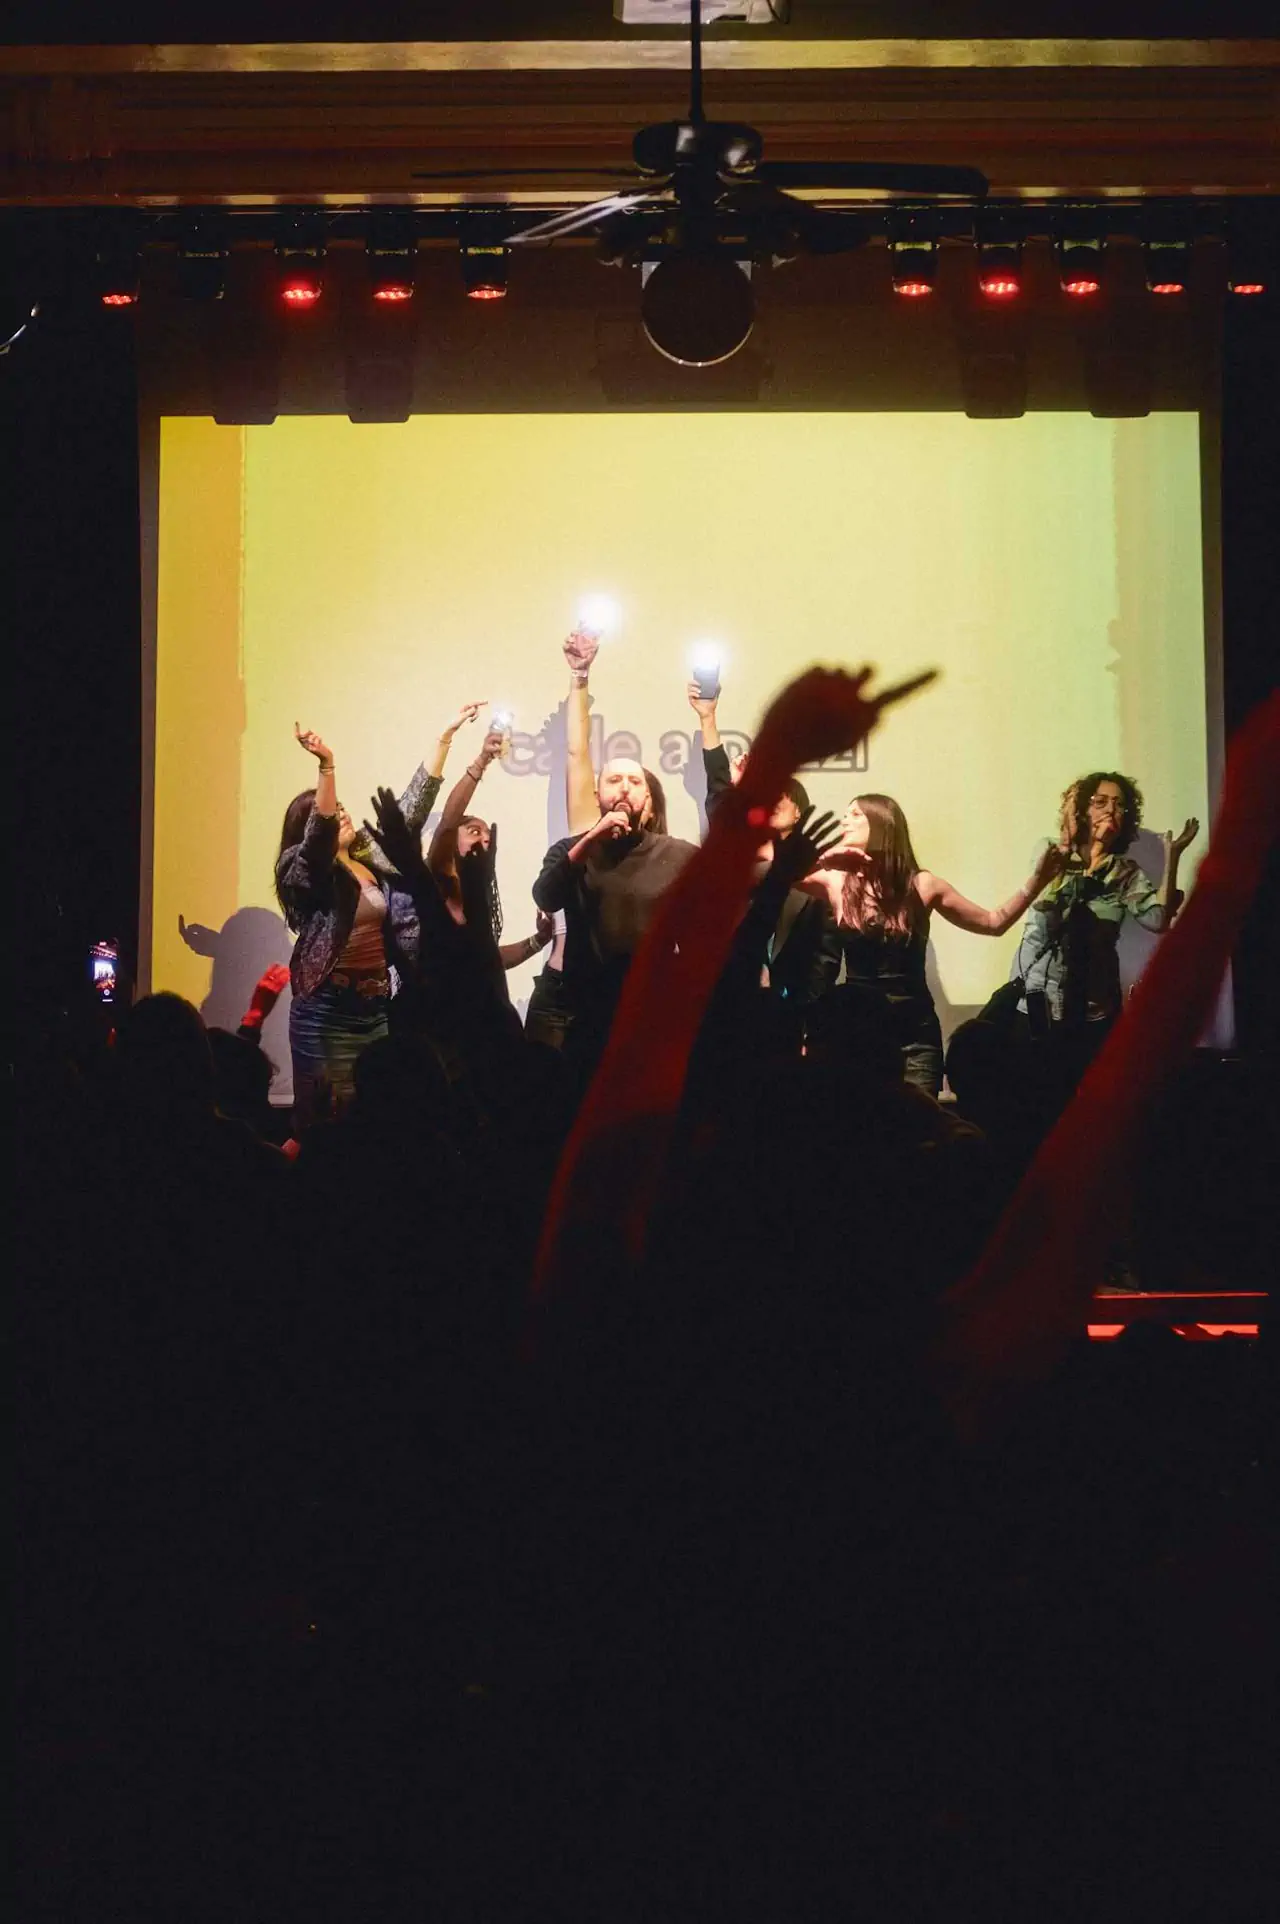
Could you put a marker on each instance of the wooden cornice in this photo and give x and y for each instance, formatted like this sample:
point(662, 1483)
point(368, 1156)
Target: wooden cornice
point(339, 123)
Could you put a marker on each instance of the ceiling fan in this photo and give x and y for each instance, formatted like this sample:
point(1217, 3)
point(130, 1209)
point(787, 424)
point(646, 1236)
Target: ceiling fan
point(707, 204)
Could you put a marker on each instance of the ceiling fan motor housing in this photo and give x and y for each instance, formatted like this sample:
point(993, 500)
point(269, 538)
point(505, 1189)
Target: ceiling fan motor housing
point(721, 145)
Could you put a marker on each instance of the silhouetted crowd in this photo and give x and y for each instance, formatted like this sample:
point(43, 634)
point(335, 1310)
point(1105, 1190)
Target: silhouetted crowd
point(684, 1493)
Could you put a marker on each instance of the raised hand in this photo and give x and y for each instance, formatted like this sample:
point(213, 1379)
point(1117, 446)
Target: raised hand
point(1051, 864)
point(823, 712)
point(494, 745)
point(402, 848)
point(703, 706)
point(467, 713)
point(308, 739)
point(806, 847)
point(1175, 844)
point(580, 650)
point(267, 992)
point(197, 937)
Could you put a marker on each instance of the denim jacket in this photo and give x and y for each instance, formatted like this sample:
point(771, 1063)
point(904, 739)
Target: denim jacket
point(320, 897)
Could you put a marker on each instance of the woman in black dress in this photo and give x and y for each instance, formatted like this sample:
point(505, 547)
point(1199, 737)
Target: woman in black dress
point(883, 899)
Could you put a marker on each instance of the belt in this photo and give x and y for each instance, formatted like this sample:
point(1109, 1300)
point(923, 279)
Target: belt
point(372, 985)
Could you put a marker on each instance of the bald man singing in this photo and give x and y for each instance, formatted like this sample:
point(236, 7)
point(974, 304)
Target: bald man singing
point(608, 882)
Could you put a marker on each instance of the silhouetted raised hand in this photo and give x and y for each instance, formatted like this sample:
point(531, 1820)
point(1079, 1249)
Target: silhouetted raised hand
point(402, 848)
point(806, 847)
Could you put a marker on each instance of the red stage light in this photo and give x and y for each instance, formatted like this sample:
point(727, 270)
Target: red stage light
point(913, 290)
point(393, 291)
point(999, 287)
point(1247, 287)
point(119, 299)
point(486, 293)
point(1080, 287)
point(300, 293)
point(1168, 287)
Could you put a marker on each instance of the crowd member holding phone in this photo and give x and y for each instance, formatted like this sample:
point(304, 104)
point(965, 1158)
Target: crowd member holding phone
point(1067, 959)
point(788, 934)
point(883, 900)
point(337, 894)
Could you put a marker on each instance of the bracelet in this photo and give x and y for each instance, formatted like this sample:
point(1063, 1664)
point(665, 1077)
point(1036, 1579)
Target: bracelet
point(326, 768)
point(475, 773)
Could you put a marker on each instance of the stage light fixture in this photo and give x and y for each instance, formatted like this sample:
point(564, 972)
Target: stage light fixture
point(117, 277)
point(1000, 269)
point(1167, 263)
point(485, 266)
point(202, 263)
point(391, 258)
point(1080, 266)
point(300, 263)
point(1249, 272)
point(697, 308)
point(913, 267)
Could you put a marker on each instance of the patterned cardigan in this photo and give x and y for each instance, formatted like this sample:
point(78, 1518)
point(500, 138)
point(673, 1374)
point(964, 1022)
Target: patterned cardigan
point(320, 896)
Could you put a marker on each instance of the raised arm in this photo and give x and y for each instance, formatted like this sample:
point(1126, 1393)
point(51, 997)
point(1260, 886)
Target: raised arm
point(513, 954)
point(581, 807)
point(1018, 1311)
point(435, 766)
point(1159, 913)
point(641, 1077)
point(938, 894)
point(715, 759)
point(443, 853)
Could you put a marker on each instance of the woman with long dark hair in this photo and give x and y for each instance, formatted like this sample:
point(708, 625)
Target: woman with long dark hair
point(1067, 957)
point(882, 900)
point(336, 891)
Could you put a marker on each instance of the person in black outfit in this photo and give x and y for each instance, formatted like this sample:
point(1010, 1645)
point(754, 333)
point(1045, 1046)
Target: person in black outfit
point(608, 882)
point(788, 933)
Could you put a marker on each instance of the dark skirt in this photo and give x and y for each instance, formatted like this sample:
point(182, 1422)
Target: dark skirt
point(327, 1032)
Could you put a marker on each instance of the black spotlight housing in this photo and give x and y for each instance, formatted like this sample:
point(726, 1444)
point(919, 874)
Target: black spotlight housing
point(1166, 251)
point(486, 266)
point(1081, 265)
point(117, 273)
point(300, 251)
point(202, 262)
point(391, 259)
point(913, 256)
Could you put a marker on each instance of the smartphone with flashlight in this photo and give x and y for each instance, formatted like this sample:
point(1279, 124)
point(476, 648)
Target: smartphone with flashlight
point(501, 721)
point(706, 677)
point(104, 972)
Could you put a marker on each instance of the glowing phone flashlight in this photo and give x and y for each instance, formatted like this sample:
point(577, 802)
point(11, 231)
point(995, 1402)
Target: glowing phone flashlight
point(598, 615)
point(501, 721)
point(706, 658)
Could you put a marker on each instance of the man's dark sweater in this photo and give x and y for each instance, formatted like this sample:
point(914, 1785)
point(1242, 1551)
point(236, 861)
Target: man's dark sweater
point(609, 902)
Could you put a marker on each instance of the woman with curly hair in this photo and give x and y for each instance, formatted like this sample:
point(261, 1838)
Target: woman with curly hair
point(883, 900)
point(1067, 954)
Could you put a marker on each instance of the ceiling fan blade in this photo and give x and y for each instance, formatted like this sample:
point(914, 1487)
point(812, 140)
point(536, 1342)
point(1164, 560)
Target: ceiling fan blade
point(818, 229)
point(525, 173)
point(574, 219)
point(885, 176)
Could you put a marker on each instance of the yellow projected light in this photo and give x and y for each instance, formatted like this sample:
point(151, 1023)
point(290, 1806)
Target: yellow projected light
point(365, 580)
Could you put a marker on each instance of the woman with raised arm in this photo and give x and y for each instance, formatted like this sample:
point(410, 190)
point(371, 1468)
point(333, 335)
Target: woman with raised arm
point(883, 900)
point(1068, 952)
point(462, 860)
point(336, 892)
